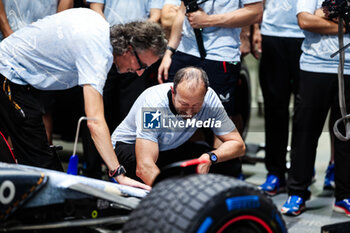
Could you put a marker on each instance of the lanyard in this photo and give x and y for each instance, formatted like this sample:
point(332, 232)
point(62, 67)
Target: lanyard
point(7, 91)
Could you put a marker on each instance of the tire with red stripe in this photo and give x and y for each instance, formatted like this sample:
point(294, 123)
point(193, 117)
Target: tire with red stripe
point(205, 204)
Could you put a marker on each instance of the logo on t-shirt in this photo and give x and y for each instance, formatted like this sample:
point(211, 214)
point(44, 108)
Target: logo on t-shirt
point(151, 119)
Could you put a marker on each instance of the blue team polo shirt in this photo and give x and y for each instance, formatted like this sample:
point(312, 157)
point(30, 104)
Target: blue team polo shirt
point(174, 2)
point(317, 48)
point(280, 19)
point(59, 52)
point(221, 44)
point(20, 13)
point(124, 11)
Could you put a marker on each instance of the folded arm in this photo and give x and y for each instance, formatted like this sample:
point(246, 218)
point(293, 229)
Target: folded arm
point(249, 14)
point(317, 23)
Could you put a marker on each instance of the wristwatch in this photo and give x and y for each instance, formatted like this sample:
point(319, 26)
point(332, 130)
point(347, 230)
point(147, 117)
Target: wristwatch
point(117, 172)
point(213, 157)
point(171, 49)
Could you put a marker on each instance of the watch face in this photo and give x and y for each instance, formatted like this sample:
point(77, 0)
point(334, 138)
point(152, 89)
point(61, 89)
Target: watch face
point(122, 170)
point(213, 158)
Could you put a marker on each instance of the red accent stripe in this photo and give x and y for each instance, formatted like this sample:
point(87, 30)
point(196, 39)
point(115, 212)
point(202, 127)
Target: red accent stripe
point(224, 64)
point(193, 162)
point(8, 147)
point(345, 210)
point(246, 217)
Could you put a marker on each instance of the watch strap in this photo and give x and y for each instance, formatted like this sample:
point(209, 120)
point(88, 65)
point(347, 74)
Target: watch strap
point(117, 172)
point(212, 157)
point(171, 49)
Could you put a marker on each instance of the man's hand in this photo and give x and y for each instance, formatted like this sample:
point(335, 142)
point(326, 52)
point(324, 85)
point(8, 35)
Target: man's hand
point(256, 41)
point(245, 41)
point(164, 67)
point(198, 19)
point(203, 168)
point(122, 179)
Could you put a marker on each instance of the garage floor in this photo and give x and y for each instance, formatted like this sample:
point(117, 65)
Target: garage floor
point(319, 207)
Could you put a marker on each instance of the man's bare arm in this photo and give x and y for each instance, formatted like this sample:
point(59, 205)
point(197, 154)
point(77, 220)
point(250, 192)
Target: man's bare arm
point(154, 15)
point(4, 24)
point(232, 147)
point(98, 7)
point(64, 5)
point(93, 102)
point(174, 42)
point(317, 24)
point(168, 16)
point(146, 156)
point(249, 14)
point(176, 29)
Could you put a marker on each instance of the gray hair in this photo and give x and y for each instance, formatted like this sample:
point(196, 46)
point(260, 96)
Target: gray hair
point(141, 35)
point(194, 74)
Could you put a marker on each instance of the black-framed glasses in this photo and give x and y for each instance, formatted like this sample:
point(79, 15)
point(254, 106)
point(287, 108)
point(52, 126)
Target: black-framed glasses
point(142, 65)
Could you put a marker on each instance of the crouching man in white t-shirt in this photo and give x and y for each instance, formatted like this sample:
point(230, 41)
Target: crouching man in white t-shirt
point(156, 131)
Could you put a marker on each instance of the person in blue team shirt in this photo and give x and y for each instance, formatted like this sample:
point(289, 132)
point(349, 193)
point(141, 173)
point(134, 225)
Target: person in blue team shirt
point(124, 11)
point(155, 133)
point(74, 47)
point(15, 14)
point(279, 75)
point(318, 92)
point(121, 90)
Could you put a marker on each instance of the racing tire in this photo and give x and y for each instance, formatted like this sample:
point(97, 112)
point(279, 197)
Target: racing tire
point(243, 98)
point(205, 204)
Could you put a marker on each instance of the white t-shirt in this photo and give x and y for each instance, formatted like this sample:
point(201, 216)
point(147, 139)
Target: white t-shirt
point(59, 52)
point(152, 118)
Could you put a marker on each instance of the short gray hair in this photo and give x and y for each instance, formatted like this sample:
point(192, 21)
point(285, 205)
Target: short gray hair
point(141, 35)
point(191, 73)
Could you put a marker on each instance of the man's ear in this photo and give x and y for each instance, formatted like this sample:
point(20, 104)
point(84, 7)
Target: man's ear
point(172, 90)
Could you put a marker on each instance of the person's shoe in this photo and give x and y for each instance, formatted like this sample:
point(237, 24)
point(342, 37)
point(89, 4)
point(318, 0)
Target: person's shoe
point(273, 185)
point(294, 206)
point(313, 180)
point(329, 183)
point(241, 176)
point(342, 206)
